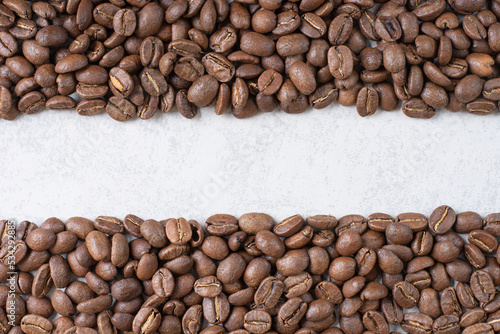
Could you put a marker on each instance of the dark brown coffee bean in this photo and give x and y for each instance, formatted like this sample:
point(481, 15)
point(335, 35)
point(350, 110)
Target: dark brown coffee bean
point(340, 61)
point(91, 107)
point(406, 294)
point(482, 286)
point(8, 45)
point(192, 320)
point(120, 109)
point(5, 100)
point(270, 82)
point(146, 321)
point(120, 82)
point(446, 324)
point(208, 287)
point(479, 328)
point(186, 108)
point(153, 82)
point(52, 36)
point(312, 25)
point(367, 102)
point(287, 22)
point(257, 44)
point(257, 321)
point(216, 309)
point(35, 324)
point(292, 45)
point(124, 22)
point(417, 323)
point(203, 91)
point(291, 312)
point(218, 66)
point(163, 282)
point(223, 39)
point(442, 219)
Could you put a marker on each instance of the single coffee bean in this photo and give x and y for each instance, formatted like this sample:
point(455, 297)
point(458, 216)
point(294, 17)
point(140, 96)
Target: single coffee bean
point(178, 231)
point(124, 22)
point(71, 63)
point(120, 109)
point(203, 91)
point(340, 61)
point(417, 323)
point(406, 294)
point(31, 103)
point(479, 328)
point(35, 324)
point(291, 312)
point(146, 321)
point(257, 44)
point(482, 286)
point(257, 321)
point(367, 102)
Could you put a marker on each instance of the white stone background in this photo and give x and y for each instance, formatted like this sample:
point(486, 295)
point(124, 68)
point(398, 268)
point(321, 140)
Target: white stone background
point(56, 163)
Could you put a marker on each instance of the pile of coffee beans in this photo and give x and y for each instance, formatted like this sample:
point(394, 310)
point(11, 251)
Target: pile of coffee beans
point(249, 275)
point(135, 57)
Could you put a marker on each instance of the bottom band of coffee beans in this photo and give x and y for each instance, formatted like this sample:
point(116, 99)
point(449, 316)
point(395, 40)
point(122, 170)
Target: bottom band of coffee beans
point(378, 274)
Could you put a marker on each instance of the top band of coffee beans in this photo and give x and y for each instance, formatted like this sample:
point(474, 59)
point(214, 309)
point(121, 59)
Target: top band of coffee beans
point(134, 57)
point(354, 275)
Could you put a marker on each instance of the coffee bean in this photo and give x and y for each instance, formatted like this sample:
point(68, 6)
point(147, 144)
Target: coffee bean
point(120, 109)
point(146, 321)
point(203, 91)
point(208, 287)
point(52, 36)
point(257, 321)
point(186, 108)
point(442, 219)
point(417, 323)
point(71, 63)
point(124, 22)
point(291, 312)
point(446, 324)
point(367, 102)
point(302, 77)
point(192, 319)
point(482, 286)
point(479, 328)
point(5, 100)
point(35, 324)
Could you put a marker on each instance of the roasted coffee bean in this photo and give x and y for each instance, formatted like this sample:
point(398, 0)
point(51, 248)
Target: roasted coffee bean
point(406, 294)
point(124, 22)
point(485, 241)
point(186, 108)
point(446, 324)
point(340, 61)
point(216, 309)
point(367, 102)
point(442, 219)
point(35, 324)
point(291, 312)
point(257, 321)
point(203, 91)
point(417, 323)
point(482, 286)
point(146, 321)
point(120, 82)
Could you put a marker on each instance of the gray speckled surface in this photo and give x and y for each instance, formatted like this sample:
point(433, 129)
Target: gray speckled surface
point(57, 163)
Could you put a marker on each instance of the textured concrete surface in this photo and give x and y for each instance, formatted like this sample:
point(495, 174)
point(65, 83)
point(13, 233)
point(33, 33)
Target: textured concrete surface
point(57, 163)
